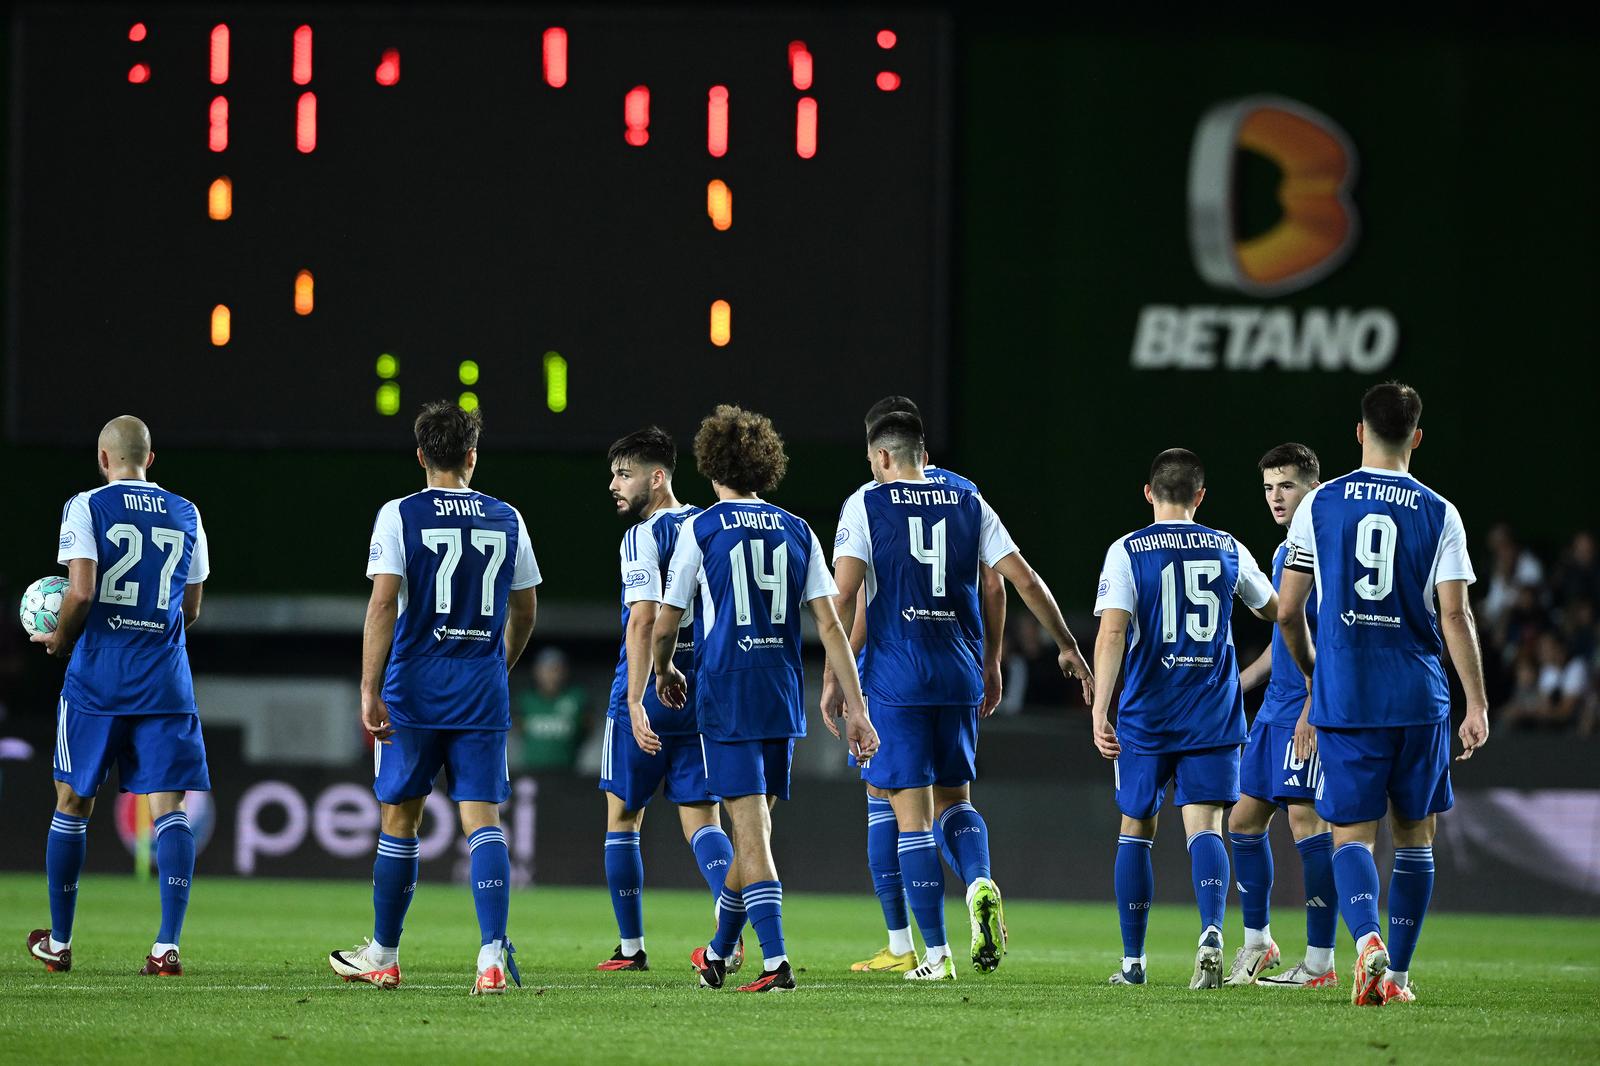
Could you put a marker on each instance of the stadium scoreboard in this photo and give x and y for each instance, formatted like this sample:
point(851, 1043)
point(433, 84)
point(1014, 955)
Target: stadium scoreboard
point(258, 226)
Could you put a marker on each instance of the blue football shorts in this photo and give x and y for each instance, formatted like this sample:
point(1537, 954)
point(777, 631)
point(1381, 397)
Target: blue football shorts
point(920, 746)
point(633, 776)
point(1208, 775)
point(1364, 769)
point(474, 762)
point(152, 752)
point(1269, 770)
point(737, 768)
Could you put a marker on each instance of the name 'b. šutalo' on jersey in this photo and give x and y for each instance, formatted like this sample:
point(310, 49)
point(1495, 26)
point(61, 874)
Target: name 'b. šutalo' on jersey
point(459, 554)
point(646, 550)
point(922, 543)
point(1377, 543)
point(148, 546)
point(754, 567)
point(1178, 581)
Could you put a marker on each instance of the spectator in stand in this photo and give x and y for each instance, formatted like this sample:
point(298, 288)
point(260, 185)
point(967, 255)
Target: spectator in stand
point(552, 717)
point(1577, 576)
point(1513, 568)
point(1558, 694)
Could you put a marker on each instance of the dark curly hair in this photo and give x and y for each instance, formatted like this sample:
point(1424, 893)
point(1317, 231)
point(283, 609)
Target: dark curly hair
point(446, 433)
point(740, 449)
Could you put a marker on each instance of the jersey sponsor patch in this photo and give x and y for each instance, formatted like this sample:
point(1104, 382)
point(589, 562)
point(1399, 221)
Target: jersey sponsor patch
point(759, 643)
point(375, 552)
point(68, 539)
point(1104, 587)
point(636, 578)
point(840, 537)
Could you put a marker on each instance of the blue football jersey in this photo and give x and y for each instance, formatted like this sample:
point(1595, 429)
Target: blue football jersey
point(459, 554)
point(1286, 688)
point(754, 567)
point(646, 550)
point(941, 476)
point(1377, 543)
point(922, 543)
point(1178, 581)
point(148, 546)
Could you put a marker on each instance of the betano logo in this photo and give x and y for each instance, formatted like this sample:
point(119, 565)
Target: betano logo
point(1318, 227)
point(1313, 235)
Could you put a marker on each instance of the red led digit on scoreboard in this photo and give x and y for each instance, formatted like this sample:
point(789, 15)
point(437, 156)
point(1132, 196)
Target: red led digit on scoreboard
point(139, 73)
point(389, 67)
point(137, 32)
point(805, 128)
point(636, 114)
point(801, 64)
point(305, 123)
point(555, 57)
point(302, 56)
point(219, 124)
point(717, 121)
point(219, 54)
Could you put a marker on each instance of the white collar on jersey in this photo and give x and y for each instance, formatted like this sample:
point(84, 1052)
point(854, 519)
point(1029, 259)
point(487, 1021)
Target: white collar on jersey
point(1175, 522)
point(1386, 472)
point(442, 488)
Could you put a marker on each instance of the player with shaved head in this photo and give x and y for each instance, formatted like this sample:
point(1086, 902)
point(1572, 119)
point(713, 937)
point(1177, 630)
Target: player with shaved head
point(136, 559)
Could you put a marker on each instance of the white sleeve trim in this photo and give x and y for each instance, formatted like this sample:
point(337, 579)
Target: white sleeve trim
point(77, 532)
point(1117, 589)
point(387, 553)
point(526, 575)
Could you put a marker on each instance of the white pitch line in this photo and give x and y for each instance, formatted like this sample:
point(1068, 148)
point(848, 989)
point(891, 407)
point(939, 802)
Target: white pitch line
point(462, 986)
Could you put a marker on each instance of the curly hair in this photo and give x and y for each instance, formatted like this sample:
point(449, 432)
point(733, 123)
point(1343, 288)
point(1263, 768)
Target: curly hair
point(740, 449)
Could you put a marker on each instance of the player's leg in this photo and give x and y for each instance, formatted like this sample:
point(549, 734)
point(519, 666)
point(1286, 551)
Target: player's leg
point(477, 768)
point(964, 832)
point(1208, 866)
point(904, 768)
point(1313, 839)
point(1353, 798)
point(1207, 784)
point(763, 891)
point(699, 814)
point(404, 767)
point(1248, 824)
point(86, 745)
point(1140, 781)
point(883, 862)
point(1419, 791)
point(164, 758)
point(629, 778)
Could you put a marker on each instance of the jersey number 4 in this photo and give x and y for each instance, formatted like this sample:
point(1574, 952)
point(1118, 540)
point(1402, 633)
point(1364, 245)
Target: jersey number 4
point(1201, 625)
point(447, 542)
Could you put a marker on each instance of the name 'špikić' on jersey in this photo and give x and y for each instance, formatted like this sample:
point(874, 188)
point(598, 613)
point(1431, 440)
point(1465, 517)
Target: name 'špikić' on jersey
point(458, 553)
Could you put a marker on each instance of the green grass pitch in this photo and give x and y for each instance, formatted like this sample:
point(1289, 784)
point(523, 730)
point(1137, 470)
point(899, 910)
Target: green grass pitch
point(258, 988)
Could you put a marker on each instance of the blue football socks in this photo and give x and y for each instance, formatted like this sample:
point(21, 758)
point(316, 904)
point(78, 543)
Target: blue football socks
point(63, 862)
point(175, 867)
point(394, 882)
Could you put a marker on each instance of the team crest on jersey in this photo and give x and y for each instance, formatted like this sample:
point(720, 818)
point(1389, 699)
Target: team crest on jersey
point(636, 578)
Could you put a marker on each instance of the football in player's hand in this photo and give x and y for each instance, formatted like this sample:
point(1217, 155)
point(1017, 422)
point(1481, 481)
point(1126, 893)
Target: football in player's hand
point(41, 605)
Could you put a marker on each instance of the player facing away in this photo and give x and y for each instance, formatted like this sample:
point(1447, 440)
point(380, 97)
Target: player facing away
point(646, 743)
point(954, 814)
point(1389, 560)
point(452, 608)
point(1165, 602)
point(136, 561)
point(916, 546)
point(1272, 776)
point(752, 566)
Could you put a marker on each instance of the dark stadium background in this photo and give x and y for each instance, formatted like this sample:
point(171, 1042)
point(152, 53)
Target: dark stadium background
point(1066, 153)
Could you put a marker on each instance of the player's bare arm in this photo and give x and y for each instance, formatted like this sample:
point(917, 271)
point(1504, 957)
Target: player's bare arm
point(848, 573)
point(858, 730)
point(191, 603)
point(1256, 674)
point(640, 632)
point(522, 610)
point(1293, 591)
point(1036, 594)
point(376, 638)
point(75, 603)
point(1267, 612)
point(992, 602)
point(671, 686)
point(1109, 645)
point(1461, 637)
